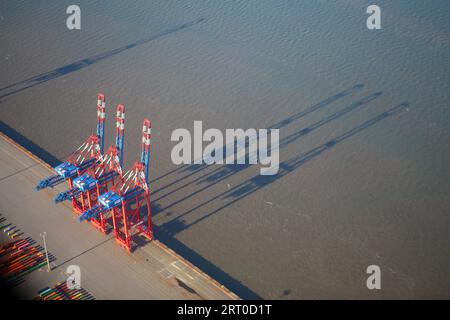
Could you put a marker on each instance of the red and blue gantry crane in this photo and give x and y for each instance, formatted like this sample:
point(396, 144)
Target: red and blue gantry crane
point(86, 156)
point(99, 178)
point(129, 200)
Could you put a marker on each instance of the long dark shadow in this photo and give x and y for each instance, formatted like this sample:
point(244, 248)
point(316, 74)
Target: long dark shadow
point(84, 252)
point(18, 172)
point(291, 138)
point(229, 170)
point(258, 182)
point(196, 168)
point(169, 173)
point(81, 64)
point(317, 106)
point(222, 173)
point(196, 180)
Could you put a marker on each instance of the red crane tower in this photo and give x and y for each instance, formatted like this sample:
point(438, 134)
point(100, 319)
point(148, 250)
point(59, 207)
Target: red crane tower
point(129, 200)
point(99, 178)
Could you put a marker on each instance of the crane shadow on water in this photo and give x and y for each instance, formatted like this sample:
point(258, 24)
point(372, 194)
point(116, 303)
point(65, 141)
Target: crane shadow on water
point(84, 63)
point(201, 178)
point(258, 182)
